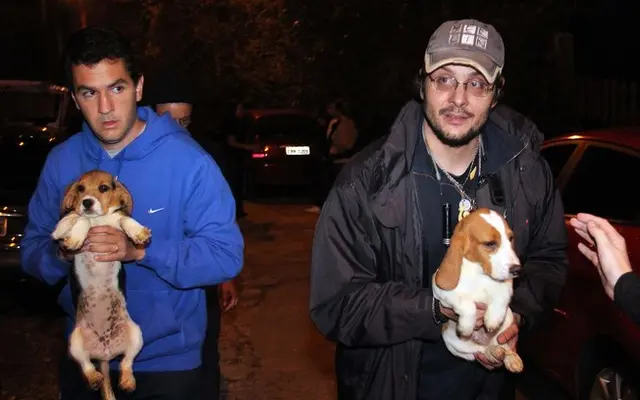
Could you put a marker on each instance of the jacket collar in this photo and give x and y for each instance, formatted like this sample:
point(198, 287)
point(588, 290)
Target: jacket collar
point(507, 133)
point(387, 202)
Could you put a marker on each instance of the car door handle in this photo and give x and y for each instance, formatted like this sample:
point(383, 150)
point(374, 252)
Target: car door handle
point(561, 312)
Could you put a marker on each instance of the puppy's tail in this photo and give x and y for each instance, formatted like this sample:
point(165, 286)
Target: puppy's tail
point(105, 390)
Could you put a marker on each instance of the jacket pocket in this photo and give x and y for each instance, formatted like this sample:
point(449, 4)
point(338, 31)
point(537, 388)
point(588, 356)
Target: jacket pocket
point(354, 370)
point(153, 311)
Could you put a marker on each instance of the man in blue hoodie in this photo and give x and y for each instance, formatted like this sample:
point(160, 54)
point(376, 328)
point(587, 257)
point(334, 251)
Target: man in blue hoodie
point(178, 192)
point(170, 91)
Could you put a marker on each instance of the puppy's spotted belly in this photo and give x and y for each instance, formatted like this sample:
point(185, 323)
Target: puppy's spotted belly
point(482, 337)
point(103, 321)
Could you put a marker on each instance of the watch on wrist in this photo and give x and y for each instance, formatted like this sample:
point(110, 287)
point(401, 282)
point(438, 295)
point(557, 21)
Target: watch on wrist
point(438, 317)
point(521, 321)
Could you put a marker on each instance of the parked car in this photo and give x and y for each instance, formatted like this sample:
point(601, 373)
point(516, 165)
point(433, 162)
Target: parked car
point(290, 148)
point(587, 345)
point(33, 119)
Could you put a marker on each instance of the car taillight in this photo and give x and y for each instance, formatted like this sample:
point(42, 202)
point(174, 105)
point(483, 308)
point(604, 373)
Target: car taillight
point(263, 154)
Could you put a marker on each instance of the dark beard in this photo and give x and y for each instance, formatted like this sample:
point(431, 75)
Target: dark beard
point(451, 141)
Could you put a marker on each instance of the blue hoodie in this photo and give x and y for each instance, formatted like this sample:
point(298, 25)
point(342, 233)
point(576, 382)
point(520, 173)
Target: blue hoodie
point(180, 194)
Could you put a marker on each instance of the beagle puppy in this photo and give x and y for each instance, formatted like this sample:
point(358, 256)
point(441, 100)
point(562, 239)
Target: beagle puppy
point(103, 328)
point(479, 267)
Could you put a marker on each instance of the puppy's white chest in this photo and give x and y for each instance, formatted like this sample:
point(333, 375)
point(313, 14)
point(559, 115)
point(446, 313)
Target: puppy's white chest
point(95, 273)
point(109, 219)
point(480, 287)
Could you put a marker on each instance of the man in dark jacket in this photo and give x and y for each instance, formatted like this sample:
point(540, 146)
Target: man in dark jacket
point(379, 237)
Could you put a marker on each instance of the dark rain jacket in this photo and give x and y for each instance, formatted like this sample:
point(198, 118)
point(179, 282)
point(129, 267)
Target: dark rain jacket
point(367, 291)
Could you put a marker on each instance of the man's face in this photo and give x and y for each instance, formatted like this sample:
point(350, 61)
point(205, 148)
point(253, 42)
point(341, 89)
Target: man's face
point(181, 112)
point(454, 114)
point(106, 95)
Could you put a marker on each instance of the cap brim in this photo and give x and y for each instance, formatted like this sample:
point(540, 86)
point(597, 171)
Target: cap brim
point(483, 64)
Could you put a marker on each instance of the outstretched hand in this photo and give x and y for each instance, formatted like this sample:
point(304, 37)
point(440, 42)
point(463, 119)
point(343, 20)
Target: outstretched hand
point(605, 248)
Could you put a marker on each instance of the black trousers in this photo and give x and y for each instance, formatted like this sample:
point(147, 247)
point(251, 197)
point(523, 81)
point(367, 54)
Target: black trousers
point(325, 176)
point(170, 385)
point(443, 376)
point(210, 353)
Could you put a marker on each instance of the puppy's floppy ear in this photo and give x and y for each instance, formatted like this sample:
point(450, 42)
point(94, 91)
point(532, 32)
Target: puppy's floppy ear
point(70, 199)
point(124, 197)
point(448, 274)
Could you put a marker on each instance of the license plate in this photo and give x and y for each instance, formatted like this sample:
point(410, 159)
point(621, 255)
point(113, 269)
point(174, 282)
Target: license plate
point(3, 226)
point(297, 150)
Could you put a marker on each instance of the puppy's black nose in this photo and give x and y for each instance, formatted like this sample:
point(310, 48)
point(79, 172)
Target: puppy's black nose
point(515, 270)
point(87, 203)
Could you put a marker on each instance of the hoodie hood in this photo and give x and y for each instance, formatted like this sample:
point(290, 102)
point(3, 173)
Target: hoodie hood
point(157, 130)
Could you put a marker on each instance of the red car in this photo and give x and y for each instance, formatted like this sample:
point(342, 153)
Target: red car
point(587, 345)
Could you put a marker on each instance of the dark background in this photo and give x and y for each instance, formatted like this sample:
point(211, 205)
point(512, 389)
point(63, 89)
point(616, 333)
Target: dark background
point(567, 63)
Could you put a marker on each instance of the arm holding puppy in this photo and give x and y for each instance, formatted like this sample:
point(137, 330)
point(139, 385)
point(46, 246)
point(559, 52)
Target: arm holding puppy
point(211, 250)
point(611, 258)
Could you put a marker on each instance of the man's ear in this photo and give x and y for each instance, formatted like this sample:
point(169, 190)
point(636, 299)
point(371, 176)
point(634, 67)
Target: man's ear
point(498, 93)
point(139, 87)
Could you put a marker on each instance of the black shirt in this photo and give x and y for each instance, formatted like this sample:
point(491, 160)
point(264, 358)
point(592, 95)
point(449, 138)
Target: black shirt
point(442, 375)
point(432, 194)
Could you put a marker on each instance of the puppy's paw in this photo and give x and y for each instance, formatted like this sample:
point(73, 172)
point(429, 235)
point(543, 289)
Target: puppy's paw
point(513, 362)
point(142, 236)
point(495, 354)
point(127, 381)
point(58, 233)
point(465, 329)
point(493, 320)
point(464, 333)
point(77, 234)
point(94, 379)
point(73, 242)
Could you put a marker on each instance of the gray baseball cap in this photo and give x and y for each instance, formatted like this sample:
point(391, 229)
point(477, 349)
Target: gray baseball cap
point(467, 42)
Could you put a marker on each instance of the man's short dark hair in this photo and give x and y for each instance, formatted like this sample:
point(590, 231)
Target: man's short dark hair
point(89, 46)
point(168, 83)
point(342, 105)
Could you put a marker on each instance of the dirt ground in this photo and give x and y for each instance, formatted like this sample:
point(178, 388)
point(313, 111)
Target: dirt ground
point(269, 348)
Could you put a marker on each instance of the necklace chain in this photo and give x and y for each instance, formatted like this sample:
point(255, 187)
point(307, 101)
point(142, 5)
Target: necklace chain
point(466, 204)
point(459, 187)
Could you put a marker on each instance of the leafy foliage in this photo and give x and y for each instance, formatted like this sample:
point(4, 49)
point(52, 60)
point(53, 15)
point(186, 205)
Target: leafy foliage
point(280, 53)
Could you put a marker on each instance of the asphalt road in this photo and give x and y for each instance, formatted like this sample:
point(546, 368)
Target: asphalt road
point(269, 348)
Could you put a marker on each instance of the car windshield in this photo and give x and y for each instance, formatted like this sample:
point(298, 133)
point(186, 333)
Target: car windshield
point(29, 104)
point(26, 110)
point(287, 127)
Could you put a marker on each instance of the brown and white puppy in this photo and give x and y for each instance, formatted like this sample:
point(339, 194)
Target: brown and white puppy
point(103, 327)
point(479, 267)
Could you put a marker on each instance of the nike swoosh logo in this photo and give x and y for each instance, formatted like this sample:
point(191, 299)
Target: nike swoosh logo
point(153, 211)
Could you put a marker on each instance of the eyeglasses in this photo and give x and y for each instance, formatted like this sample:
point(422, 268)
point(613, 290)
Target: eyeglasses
point(475, 87)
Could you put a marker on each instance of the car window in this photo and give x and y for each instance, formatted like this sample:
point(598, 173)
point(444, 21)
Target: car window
point(287, 126)
point(603, 183)
point(557, 156)
point(29, 105)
